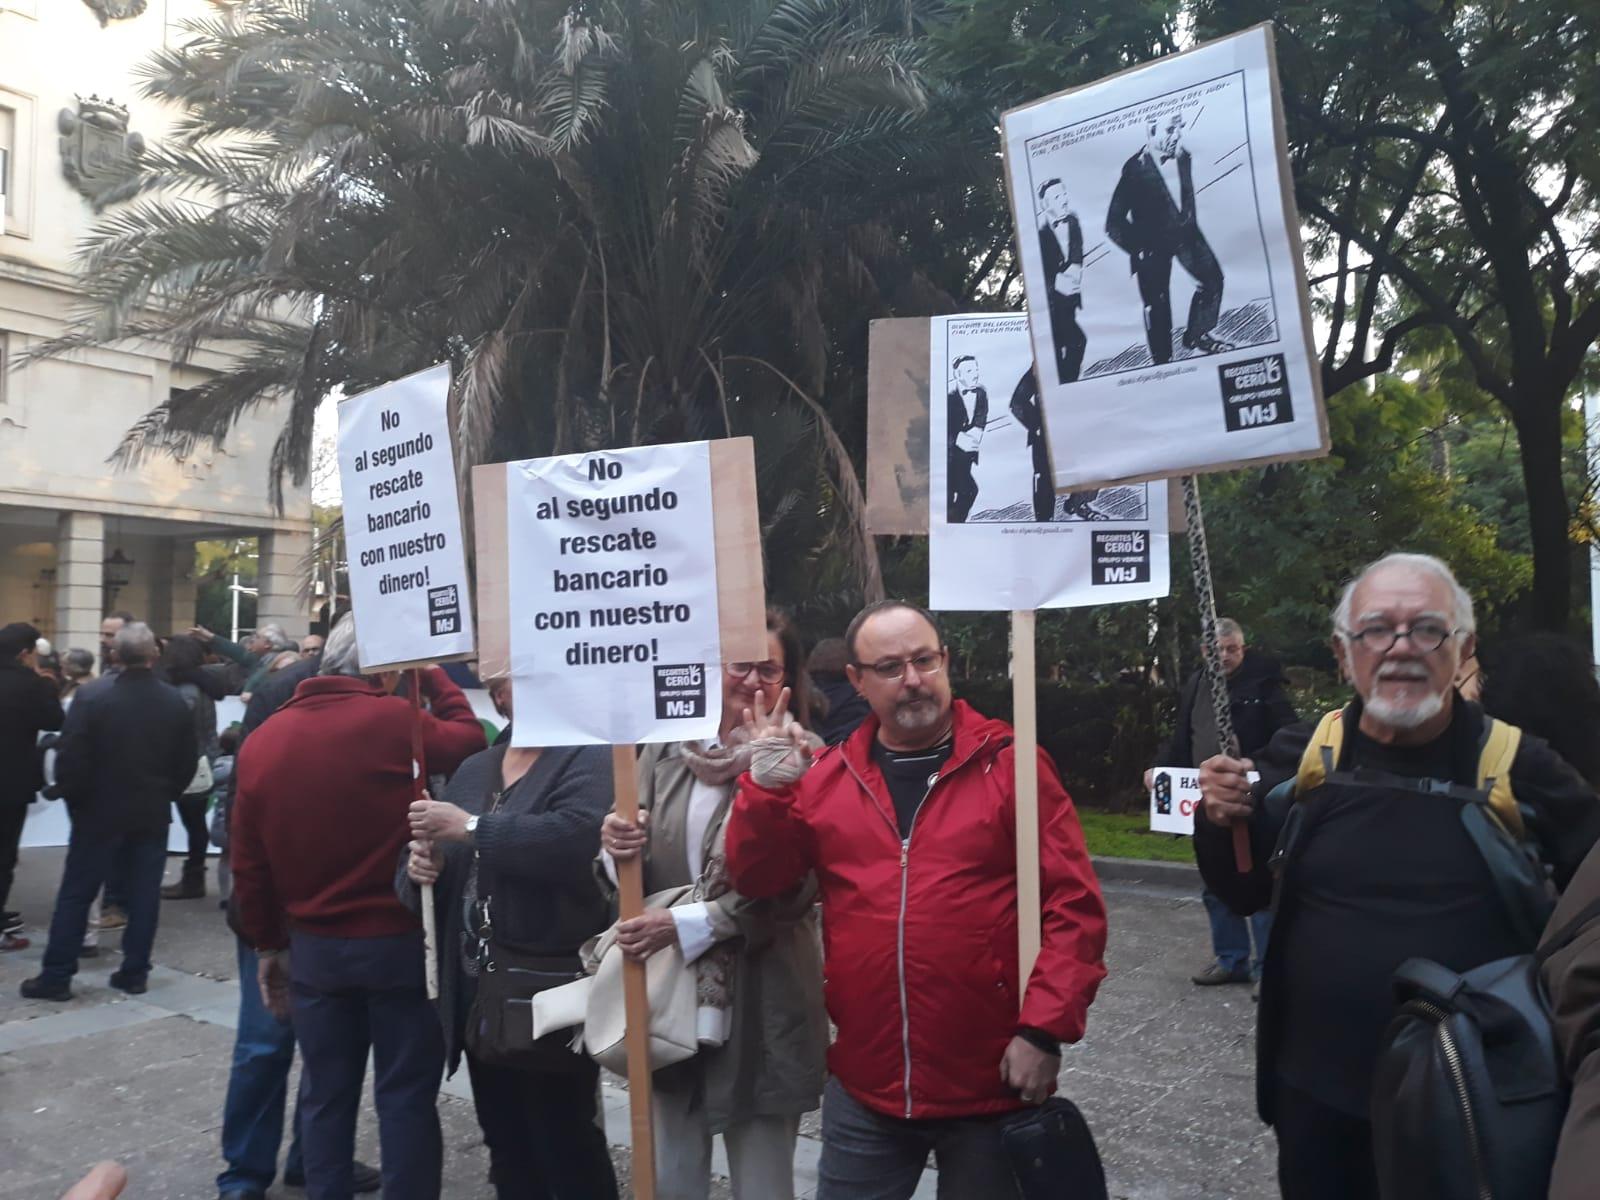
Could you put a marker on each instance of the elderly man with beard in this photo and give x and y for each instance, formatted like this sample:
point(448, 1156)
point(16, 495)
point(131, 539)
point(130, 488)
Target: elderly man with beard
point(1374, 865)
point(909, 826)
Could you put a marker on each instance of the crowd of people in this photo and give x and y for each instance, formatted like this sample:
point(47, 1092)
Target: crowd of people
point(842, 851)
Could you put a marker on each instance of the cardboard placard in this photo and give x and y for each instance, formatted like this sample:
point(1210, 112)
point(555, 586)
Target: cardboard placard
point(402, 522)
point(1161, 258)
point(741, 588)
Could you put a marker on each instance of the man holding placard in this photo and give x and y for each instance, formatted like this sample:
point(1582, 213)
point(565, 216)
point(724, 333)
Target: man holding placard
point(908, 826)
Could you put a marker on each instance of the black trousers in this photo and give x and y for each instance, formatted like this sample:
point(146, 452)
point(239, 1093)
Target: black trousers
point(963, 488)
point(13, 812)
point(348, 996)
point(1069, 340)
point(192, 812)
point(1323, 1153)
point(1154, 271)
point(540, 1128)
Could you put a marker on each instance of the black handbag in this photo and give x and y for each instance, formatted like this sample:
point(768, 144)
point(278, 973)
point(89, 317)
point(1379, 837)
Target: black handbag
point(1052, 1153)
point(499, 1028)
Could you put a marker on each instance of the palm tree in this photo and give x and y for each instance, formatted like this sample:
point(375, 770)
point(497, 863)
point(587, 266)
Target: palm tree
point(621, 222)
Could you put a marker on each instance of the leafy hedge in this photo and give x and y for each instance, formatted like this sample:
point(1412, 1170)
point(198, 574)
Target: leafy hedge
point(1102, 736)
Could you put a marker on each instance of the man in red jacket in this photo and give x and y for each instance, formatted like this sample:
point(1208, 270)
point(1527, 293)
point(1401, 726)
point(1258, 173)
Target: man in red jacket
point(319, 822)
point(909, 827)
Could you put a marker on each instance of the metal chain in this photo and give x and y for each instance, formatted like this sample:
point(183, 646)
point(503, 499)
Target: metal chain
point(1200, 563)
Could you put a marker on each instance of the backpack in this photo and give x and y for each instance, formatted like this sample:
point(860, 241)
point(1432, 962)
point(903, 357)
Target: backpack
point(1497, 823)
point(1469, 1093)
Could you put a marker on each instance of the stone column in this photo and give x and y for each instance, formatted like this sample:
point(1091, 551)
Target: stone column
point(80, 598)
point(173, 588)
point(280, 579)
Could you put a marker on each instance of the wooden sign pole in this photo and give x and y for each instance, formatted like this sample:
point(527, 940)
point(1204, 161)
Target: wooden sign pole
point(1025, 724)
point(635, 996)
point(430, 932)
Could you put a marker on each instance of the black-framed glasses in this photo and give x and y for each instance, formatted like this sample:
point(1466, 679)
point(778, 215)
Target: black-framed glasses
point(767, 672)
point(892, 669)
point(1379, 638)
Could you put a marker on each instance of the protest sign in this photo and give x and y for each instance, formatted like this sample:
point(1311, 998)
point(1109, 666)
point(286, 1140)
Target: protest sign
point(612, 595)
point(1161, 258)
point(1000, 537)
point(1174, 797)
point(402, 524)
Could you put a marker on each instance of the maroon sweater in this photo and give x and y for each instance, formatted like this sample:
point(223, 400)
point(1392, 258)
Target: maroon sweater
point(319, 819)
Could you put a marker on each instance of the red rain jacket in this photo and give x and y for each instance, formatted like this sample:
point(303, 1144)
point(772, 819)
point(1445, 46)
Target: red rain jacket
point(920, 936)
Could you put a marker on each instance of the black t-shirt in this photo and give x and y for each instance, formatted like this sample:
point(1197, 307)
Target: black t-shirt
point(1383, 875)
point(909, 774)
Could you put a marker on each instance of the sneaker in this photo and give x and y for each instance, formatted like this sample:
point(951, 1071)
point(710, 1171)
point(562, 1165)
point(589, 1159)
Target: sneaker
point(1217, 974)
point(112, 917)
point(363, 1179)
point(10, 922)
point(40, 988)
point(131, 984)
point(10, 941)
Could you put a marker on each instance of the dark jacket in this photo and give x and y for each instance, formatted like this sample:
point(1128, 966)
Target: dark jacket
point(1142, 219)
point(535, 863)
point(28, 706)
point(264, 701)
point(1566, 823)
point(957, 420)
point(847, 708)
point(128, 750)
point(320, 812)
point(1256, 698)
point(1054, 262)
point(1572, 977)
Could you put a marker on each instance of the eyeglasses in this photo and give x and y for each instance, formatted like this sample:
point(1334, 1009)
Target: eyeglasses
point(1426, 636)
point(767, 672)
point(893, 669)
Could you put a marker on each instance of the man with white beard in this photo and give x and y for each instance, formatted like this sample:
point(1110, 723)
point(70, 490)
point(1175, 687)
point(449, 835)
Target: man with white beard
point(1371, 860)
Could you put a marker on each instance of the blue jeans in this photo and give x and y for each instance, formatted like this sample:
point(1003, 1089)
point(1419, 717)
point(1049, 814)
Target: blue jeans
point(348, 996)
point(1230, 941)
point(89, 860)
point(869, 1156)
point(258, 1086)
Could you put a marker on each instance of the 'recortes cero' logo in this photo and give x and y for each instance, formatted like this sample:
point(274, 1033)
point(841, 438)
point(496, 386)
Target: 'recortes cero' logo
point(444, 610)
point(1120, 556)
point(1255, 393)
point(680, 691)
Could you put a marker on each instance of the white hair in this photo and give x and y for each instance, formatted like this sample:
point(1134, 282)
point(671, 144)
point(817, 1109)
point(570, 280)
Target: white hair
point(275, 635)
point(1228, 627)
point(339, 651)
point(134, 645)
point(1462, 617)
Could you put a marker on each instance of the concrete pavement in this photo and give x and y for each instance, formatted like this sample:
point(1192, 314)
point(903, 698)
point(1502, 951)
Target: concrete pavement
point(1164, 1075)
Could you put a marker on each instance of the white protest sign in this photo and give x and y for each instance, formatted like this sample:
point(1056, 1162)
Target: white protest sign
point(402, 524)
point(612, 581)
point(999, 537)
point(1174, 795)
point(1161, 259)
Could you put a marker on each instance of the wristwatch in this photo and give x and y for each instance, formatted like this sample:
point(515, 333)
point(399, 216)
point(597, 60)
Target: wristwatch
point(472, 826)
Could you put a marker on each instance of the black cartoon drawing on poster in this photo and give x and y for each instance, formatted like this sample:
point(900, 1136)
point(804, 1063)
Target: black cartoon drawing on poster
point(990, 462)
point(1161, 264)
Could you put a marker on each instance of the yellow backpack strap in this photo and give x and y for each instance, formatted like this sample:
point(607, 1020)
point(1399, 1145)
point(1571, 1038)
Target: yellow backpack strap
point(1495, 756)
point(1321, 753)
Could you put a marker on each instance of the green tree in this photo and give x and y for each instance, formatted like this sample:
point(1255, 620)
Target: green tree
point(620, 222)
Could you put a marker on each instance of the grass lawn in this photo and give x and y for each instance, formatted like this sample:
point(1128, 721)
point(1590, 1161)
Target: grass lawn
point(1127, 835)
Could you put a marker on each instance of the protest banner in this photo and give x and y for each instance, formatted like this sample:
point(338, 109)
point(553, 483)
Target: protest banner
point(402, 524)
point(612, 586)
point(405, 552)
point(999, 536)
point(1180, 162)
point(1174, 795)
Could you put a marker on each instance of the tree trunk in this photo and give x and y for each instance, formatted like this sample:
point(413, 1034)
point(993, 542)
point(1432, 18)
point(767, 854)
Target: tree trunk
point(1538, 423)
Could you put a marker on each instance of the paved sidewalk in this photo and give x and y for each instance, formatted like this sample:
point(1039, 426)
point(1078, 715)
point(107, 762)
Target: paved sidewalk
point(1164, 1075)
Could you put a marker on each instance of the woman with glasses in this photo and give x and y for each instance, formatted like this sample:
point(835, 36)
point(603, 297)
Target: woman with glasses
point(763, 1034)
